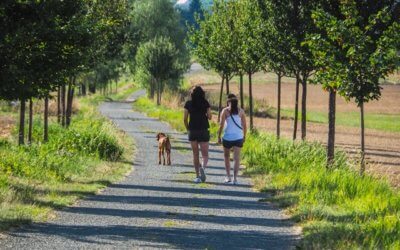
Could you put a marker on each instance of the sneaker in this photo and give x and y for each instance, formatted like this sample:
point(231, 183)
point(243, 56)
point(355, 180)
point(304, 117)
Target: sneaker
point(197, 180)
point(227, 180)
point(202, 174)
point(235, 182)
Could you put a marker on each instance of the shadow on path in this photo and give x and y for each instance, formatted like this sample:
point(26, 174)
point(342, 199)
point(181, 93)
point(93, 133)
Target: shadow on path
point(176, 237)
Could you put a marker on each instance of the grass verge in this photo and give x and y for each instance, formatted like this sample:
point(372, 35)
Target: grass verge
point(79, 161)
point(337, 208)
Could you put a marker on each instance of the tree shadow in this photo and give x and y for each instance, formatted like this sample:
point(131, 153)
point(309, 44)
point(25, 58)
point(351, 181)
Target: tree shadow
point(7, 223)
point(169, 201)
point(151, 214)
point(233, 193)
point(210, 182)
point(181, 238)
point(191, 166)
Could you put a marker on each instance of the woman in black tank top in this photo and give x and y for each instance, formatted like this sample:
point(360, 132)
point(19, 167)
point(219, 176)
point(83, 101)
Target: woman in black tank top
point(196, 116)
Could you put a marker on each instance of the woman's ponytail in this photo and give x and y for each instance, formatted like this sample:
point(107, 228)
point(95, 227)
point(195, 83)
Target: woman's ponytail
point(234, 104)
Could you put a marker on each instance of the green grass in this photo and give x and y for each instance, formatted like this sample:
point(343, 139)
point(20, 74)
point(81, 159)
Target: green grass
point(36, 179)
point(337, 208)
point(383, 122)
point(125, 89)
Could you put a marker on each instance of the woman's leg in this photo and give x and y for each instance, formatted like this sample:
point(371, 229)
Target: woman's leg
point(204, 153)
point(227, 162)
point(236, 158)
point(196, 161)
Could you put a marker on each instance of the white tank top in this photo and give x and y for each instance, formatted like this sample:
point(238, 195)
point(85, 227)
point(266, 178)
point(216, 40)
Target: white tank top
point(231, 131)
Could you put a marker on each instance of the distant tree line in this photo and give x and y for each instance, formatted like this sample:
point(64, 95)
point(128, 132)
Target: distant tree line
point(51, 46)
point(346, 46)
point(53, 49)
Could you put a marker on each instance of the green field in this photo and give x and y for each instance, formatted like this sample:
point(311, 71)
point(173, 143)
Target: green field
point(383, 122)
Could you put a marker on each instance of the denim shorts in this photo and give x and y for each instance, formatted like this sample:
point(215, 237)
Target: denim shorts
point(230, 144)
point(199, 135)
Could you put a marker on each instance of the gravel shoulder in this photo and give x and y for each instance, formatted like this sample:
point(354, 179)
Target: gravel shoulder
point(159, 206)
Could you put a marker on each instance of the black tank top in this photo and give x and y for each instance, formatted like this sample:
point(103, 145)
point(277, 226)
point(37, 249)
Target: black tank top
point(198, 119)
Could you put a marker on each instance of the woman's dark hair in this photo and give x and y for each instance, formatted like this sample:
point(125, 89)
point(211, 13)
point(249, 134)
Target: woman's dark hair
point(198, 98)
point(232, 99)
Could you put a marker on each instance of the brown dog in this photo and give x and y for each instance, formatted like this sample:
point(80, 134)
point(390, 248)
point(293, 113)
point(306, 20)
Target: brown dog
point(164, 145)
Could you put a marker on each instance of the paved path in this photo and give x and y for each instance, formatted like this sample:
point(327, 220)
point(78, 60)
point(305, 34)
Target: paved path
point(159, 206)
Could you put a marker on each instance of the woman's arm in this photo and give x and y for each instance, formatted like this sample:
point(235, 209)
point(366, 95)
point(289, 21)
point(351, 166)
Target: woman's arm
point(244, 125)
point(209, 115)
point(221, 124)
point(186, 119)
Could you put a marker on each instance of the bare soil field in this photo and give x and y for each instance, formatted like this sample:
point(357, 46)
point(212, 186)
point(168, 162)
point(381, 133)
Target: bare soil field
point(318, 98)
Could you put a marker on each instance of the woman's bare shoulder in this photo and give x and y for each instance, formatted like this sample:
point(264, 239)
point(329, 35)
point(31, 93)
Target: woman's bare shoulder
point(224, 110)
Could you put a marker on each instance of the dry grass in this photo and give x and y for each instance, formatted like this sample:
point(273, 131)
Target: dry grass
point(6, 126)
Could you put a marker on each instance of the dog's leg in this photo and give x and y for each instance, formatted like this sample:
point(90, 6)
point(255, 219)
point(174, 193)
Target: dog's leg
point(163, 155)
point(159, 156)
point(169, 157)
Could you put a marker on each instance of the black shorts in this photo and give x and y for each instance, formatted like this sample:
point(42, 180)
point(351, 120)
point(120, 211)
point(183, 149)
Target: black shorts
point(199, 135)
point(230, 144)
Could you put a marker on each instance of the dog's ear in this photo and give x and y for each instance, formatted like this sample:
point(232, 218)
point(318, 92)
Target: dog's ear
point(158, 136)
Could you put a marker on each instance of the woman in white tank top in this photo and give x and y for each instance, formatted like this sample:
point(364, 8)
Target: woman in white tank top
point(233, 123)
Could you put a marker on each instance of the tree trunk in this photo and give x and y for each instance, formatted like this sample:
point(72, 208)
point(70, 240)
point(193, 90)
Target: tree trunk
point(331, 132)
point(92, 86)
point(241, 91)
point(63, 90)
point(59, 105)
point(296, 108)
point(83, 89)
point(21, 133)
point(304, 109)
point(362, 168)
point(220, 98)
point(278, 117)
point(152, 88)
point(251, 102)
point(158, 92)
point(46, 119)
point(30, 121)
point(227, 86)
point(116, 85)
point(70, 98)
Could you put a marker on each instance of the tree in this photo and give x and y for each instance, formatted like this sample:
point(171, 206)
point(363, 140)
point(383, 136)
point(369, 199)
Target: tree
point(194, 12)
point(292, 18)
point(358, 48)
point(159, 58)
point(155, 19)
point(277, 45)
point(44, 43)
point(214, 44)
point(25, 64)
point(251, 46)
